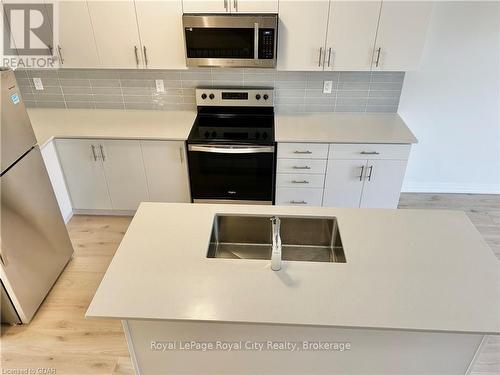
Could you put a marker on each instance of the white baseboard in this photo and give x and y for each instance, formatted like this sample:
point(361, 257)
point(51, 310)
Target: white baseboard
point(412, 187)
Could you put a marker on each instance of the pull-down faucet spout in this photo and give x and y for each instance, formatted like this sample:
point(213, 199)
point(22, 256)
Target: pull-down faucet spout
point(276, 250)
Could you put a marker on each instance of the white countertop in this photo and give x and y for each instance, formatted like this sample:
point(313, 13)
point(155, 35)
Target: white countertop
point(406, 269)
point(176, 125)
point(342, 128)
point(109, 123)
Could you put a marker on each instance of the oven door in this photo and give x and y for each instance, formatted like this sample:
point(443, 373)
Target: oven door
point(230, 41)
point(229, 172)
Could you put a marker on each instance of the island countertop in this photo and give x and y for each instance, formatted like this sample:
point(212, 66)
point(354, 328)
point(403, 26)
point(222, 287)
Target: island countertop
point(405, 269)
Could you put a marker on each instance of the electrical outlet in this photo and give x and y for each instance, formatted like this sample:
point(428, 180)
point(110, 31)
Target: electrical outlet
point(160, 86)
point(327, 87)
point(38, 83)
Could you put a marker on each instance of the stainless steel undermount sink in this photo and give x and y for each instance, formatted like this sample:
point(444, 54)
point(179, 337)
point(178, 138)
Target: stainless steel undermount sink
point(311, 239)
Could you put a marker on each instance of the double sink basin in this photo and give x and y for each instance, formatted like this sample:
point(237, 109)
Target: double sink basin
point(305, 239)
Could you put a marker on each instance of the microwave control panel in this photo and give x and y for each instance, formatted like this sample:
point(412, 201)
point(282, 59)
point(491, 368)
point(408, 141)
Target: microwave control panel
point(266, 43)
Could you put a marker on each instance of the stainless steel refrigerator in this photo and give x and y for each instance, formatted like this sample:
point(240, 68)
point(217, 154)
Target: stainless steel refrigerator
point(34, 243)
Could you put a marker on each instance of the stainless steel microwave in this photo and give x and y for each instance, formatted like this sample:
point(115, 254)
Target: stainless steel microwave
point(235, 40)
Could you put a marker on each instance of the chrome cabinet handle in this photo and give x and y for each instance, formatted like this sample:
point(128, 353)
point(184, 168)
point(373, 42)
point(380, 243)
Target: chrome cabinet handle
point(329, 55)
point(361, 174)
point(145, 56)
point(370, 174)
point(136, 51)
point(51, 50)
point(377, 60)
point(302, 152)
point(320, 53)
point(60, 54)
point(369, 153)
point(102, 153)
point(181, 154)
point(92, 147)
point(298, 202)
point(304, 167)
point(300, 182)
point(225, 4)
point(235, 4)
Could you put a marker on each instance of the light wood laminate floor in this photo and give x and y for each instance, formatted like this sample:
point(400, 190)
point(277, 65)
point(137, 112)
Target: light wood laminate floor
point(60, 337)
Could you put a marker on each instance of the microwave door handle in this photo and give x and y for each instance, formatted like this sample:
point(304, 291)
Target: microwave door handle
point(232, 150)
point(256, 41)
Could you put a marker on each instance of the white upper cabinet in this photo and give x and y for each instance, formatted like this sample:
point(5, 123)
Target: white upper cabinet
point(254, 6)
point(401, 35)
point(116, 33)
point(302, 34)
point(206, 6)
point(230, 6)
point(352, 28)
point(77, 48)
point(160, 26)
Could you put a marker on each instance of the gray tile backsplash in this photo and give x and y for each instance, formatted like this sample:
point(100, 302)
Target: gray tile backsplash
point(135, 89)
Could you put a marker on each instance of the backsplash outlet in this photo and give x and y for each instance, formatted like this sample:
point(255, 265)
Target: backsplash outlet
point(136, 89)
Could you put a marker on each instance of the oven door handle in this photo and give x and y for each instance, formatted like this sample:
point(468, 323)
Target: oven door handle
point(228, 149)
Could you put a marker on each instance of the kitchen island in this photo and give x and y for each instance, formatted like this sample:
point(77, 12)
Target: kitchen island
point(407, 299)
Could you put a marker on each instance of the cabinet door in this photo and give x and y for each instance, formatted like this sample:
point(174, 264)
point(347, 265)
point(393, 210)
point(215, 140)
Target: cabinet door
point(83, 173)
point(116, 33)
point(302, 35)
point(166, 171)
point(383, 181)
point(401, 35)
point(254, 6)
point(206, 6)
point(124, 170)
point(344, 183)
point(160, 28)
point(352, 28)
point(77, 48)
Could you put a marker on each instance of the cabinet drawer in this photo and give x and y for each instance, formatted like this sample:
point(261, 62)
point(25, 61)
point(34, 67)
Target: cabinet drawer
point(299, 197)
point(298, 180)
point(303, 150)
point(303, 166)
point(369, 151)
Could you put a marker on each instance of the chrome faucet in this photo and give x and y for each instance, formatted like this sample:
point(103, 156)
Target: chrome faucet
point(276, 251)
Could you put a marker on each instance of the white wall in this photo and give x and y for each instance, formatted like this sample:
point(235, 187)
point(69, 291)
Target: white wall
point(452, 103)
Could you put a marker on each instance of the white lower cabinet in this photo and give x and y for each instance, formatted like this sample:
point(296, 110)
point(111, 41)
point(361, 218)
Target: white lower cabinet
point(166, 171)
point(120, 174)
point(84, 174)
point(341, 175)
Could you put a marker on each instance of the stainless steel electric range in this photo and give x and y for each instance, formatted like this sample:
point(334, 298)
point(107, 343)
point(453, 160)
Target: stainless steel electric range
point(231, 148)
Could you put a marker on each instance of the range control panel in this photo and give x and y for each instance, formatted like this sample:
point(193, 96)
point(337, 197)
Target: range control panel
point(235, 97)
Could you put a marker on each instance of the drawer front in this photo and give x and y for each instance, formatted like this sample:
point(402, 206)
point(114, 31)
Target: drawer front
point(303, 150)
point(369, 151)
point(303, 166)
point(298, 180)
point(299, 197)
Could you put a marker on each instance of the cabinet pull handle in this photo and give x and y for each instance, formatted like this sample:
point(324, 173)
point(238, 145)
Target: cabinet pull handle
point(92, 147)
point(300, 182)
point(225, 5)
point(235, 3)
point(302, 152)
point(136, 51)
point(329, 55)
point(298, 202)
point(370, 174)
point(361, 174)
point(369, 153)
point(181, 155)
point(145, 56)
point(102, 153)
point(320, 53)
point(304, 167)
point(377, 60)
point(51, 50)
point(60, 54)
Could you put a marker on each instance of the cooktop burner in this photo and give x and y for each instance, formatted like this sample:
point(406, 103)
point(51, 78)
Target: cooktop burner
point(234, 116)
